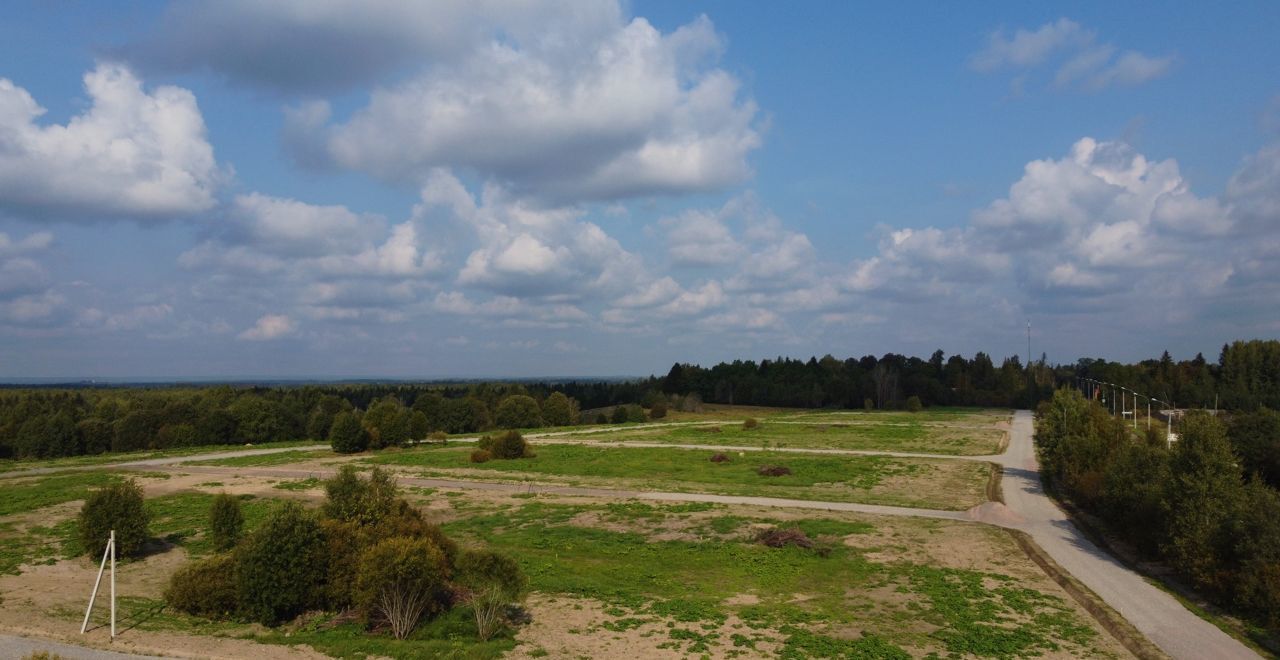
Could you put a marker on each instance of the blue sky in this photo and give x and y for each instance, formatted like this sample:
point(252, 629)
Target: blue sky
point(491, 188)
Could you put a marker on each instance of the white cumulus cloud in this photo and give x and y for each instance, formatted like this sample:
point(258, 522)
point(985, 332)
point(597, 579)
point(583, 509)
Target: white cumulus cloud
point(133, 153)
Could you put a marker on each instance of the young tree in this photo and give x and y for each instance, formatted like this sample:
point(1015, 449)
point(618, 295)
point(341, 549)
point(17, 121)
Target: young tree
point(559, 410)
point(118, 507)
point(347, 435)
point(1205, 492)
point(226, 522)
point(493, 581)
point(400, 581)
point(280, 568)
point(518, 411)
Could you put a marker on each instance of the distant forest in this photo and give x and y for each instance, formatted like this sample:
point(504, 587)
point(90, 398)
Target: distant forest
point(68, 421)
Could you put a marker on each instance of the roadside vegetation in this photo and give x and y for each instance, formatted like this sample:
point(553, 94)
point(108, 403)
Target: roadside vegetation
point(1205, 507)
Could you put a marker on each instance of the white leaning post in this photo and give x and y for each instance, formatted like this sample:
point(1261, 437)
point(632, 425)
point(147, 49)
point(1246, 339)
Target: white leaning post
point(109, 551)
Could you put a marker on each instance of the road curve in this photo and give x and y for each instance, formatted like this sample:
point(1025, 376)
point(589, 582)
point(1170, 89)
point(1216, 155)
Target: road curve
point(1160, 617)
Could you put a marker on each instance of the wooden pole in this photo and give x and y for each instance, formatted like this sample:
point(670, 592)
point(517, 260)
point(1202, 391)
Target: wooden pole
point(105, 552)
point(112, 542)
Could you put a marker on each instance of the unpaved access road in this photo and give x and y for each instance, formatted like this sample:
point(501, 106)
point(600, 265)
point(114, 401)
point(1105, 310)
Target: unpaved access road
point(1156, 614)
point(1170, 626)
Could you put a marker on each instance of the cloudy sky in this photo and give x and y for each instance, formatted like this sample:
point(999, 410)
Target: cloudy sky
point(521, 188)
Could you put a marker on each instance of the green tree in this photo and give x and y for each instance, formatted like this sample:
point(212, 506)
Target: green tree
point(400, 581)
point(518, 411)
point(280, 568)
point(226, 521)
point(347, 435)
point(1205, 491)
point(492, 582)
point(559, 410)
point(118, 507)
point(1256, 438)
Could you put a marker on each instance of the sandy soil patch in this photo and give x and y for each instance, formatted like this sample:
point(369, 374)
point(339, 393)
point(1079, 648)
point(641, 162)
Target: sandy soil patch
point(35, 604)
point(566, 627)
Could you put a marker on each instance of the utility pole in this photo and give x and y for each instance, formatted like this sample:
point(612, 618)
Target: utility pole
point(1029, 375)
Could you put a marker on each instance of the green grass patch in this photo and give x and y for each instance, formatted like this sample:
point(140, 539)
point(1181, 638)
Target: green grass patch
point(39, 492)
point(687, 584)
point(300, 484)
point(260, 460)
point(451, 635)
point(129, 457)
point(183, 518)
point(826, 432)
point(929, 483)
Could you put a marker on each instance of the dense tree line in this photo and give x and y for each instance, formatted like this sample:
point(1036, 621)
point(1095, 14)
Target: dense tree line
point(48, 422)
point(1208, 506)
point(1246, 376)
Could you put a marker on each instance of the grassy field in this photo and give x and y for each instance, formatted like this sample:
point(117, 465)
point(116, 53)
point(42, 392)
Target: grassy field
point(261, 460)
point(792, 432)
point(126, 457)
point(927, 483)
point(694, 570)
point(624, 577)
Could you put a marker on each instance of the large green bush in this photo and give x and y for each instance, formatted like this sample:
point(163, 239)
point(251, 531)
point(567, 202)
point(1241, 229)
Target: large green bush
point(400, 581)
point(226, 522)
point(506, 445)
point(205, 588)
point(280, 568)
point(518, 411)
point(350, 497)
point(116, 507)
point(347, 435)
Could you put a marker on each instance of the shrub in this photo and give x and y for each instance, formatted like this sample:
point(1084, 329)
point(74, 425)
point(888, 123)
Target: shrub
point(602, 418)
point(619, 415)
point(362, 501)
point(400, 581)
point(280, 569)
point(347, 435)
point(659, 409)
point(406, 521)
point(868, 405)
point(481, 456)
point(493, 581)
point(635, 413)
point(913, 404)
point(750, 423)
point(205, 588)
point(773, 470)
point(343, 542)
point(518, 411)
point(506, 445)
point(116, 507)
point(439, 436)
point(776, 537)
point(226, 522)
point(719, 458)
